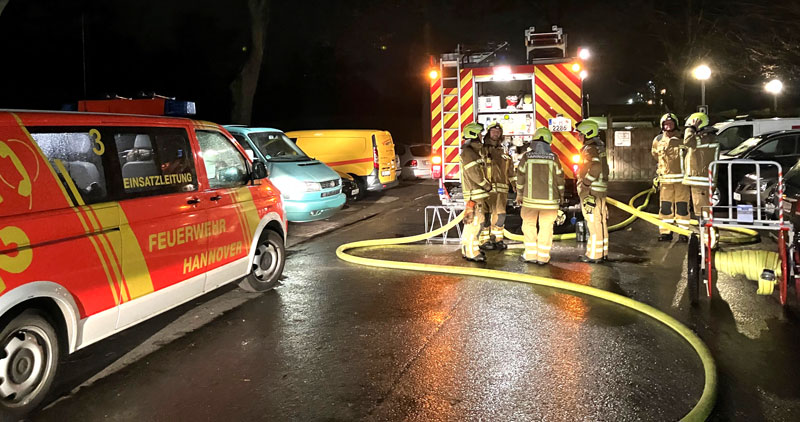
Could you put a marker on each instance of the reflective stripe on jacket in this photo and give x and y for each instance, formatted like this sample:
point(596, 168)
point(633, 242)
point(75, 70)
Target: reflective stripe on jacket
point(474, 183)
point(593, 172)
point(667, 152)
point(540, 181)
point(701, 149)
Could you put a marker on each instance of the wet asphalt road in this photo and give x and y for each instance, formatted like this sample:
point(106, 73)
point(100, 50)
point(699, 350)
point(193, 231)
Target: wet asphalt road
point(343, 342)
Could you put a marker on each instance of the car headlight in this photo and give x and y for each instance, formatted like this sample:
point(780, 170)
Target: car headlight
point(293, 189)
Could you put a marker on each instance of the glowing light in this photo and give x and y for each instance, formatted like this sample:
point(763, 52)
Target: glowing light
point(436, 159)
point(433, 74)
point(584, 53)
point(584, 74)
point(576, 67)
point(774, 87)
point(502, 71)
point(576, 158)
point(701, 72)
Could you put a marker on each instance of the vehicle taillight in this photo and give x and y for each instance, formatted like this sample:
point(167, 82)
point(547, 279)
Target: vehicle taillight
point(436, 171)
point(412, 163)
point(375, 157)
point(576, 158)
point(436, 159)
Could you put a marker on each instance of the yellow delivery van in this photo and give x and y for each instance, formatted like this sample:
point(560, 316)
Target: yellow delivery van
point(365, 154)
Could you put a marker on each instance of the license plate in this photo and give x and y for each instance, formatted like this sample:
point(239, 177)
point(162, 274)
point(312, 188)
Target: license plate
point(355, 191)
point(737, 196)
point(386, 173)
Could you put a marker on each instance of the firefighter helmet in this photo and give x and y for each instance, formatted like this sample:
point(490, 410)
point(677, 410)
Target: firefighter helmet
point(543, 134)
point(698, 120)
point(589, 128)
point(494, 124)
point(473, 131)
point(669, 116)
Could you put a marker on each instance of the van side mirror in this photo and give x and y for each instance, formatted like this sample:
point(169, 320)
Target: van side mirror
point(259, 170)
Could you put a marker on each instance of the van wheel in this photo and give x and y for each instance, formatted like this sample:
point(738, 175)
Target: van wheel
point(267, 265)
point(29, 354)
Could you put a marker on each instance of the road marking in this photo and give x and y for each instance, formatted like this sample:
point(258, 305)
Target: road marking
point(423, 196)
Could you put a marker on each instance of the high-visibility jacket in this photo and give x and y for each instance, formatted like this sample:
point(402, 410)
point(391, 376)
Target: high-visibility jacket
point(500, 170)
point(540, 181)
point(701, 149)
point(667, 152)
point(474, 183)
point(593, 171)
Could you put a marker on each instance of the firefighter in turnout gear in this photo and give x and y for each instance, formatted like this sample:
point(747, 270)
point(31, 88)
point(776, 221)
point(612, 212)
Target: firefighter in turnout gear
point(701, 148)
point(592, 187)
point(540, 190)
point(476, 187)
point(673, 194)
point(499, 171)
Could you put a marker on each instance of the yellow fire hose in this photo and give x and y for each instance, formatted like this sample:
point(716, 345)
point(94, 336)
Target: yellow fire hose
point(699, 412)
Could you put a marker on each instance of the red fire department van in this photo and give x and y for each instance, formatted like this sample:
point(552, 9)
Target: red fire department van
point(107, 220)
point(481, 86)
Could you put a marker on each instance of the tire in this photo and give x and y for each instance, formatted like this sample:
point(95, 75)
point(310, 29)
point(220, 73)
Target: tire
point(29, 356)
point(267, 265)
point(362, 187)
point(693, 269)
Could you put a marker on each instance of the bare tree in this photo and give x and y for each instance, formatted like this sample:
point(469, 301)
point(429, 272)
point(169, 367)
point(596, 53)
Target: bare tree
point(243, 88)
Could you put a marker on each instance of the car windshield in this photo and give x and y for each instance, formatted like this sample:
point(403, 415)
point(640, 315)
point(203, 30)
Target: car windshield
point(420, 150)
point(745, 146)
point(277, 147)
point(733, 136)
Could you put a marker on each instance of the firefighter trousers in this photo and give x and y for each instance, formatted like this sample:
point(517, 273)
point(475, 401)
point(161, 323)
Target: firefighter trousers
point(699, 200)
point(538, 242)
point(473, 221)
point(495, 219)
point(597, 223)
point(674, 205)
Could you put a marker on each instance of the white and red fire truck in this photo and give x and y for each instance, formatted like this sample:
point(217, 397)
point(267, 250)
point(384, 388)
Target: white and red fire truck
point(468, 86)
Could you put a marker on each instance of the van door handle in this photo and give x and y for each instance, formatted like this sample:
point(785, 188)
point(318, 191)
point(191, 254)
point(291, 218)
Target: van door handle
point(193, 201)
point(216, 198)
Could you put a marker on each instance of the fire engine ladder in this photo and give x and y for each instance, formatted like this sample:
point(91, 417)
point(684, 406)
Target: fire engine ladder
point(450, 69)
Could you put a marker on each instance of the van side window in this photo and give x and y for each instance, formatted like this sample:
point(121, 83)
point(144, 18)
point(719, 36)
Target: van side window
point(245, 145)
point(224, 164)
point(80, 158)
point(734, 135)
point(154, 160)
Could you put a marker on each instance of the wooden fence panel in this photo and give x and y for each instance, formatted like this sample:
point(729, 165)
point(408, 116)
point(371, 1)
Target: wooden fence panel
point(634, 162)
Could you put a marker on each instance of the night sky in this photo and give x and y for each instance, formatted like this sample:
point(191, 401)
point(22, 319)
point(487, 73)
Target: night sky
point(327, 64)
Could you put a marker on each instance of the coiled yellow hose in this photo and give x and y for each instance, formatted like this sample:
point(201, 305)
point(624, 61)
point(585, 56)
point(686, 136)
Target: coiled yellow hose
point(750, 264)
point(699, 412)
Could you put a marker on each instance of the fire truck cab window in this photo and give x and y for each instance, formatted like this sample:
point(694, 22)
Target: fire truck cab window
point(154, 161)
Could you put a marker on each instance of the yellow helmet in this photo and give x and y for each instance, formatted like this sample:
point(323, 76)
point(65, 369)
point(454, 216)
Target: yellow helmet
point(668, 116)
point(700, 118)
point(543, 134)
point(589, 128)
point(472, 131)
point(494, 124)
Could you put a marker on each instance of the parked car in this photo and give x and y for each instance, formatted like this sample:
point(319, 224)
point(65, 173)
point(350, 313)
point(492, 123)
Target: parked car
point(109, 220)
point(416, 161)
point(733, 132)
point(311, 190)
point(781, 147)
point(366, 154)
point(349, 187)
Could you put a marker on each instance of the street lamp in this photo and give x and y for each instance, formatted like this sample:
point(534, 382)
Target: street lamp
point(702, 73)
point(584, 53)
point(774, 87)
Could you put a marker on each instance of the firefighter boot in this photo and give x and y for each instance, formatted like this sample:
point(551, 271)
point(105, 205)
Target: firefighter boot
point(479, 258)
